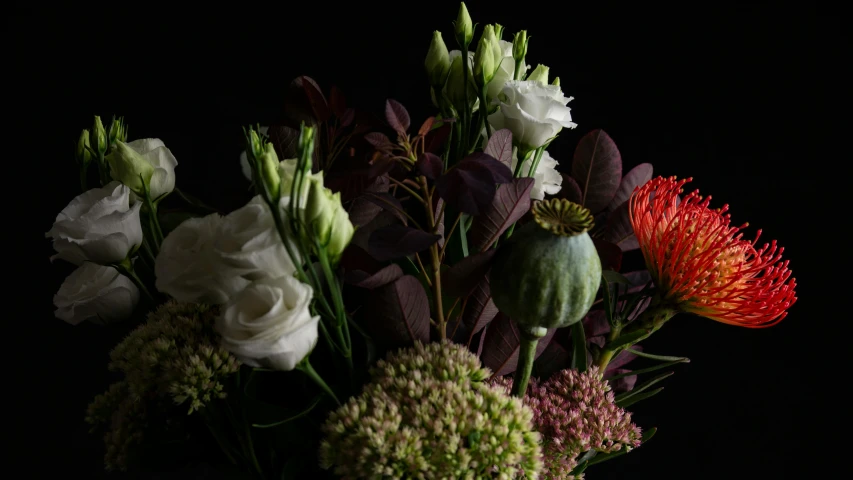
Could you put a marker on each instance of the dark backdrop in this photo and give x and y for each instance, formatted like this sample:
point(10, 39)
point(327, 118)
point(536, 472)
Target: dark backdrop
point(739, 97)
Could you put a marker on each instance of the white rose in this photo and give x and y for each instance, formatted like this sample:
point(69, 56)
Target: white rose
point(247, 242)
point(96, 293)
point(244, 158)
point(99, 225)
point(154, 152)
point(187, 268)
point(547, 179)
point(269, 324)
point(533, 112)
point(505, 72)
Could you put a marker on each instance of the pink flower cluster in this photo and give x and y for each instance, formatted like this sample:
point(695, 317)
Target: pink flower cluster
point(575, 412)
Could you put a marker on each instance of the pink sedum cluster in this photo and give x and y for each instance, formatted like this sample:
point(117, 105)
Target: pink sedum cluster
point(575, 412)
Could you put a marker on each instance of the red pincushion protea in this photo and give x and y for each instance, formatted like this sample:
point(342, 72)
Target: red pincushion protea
point(702, 265)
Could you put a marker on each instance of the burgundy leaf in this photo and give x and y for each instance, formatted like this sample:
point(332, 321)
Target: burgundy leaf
point(356, 258)
point(609, 253)
point(285, 140)
point(637, 177)
point(509, 204)
point(624, 384)
point(396, 241)
point(397, 116)
point(638, 279)
point(347, 117)
point(362, 234)
point(387, 202)
point(619, 229)
point(480, 309)
point(500, 348)
point(316, 99)
point(470, 186)
point(338, 102)
point(500, 146)
point(439, 219)
point(595, 324)
point(426, 127)
point(597, 167)
point(378, 140)
point(298, 106)
point(436, 139)
point(381, 165)
point(398, 313)
point(460, 279)
point(381, 278)
point(553, 359)
point(623, 358)
point(363, 210)
point(430, 165)
point(570, 190)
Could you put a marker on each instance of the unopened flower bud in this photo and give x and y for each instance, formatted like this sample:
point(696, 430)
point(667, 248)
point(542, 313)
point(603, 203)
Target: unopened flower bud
point(499, 31)
point(519, 46)
point(83, 155)
point(118, 131)
point(437, 61)
point(539, 74)
point(327, 218)
point(128, 167)
point(484, 62)
point(556, 82)
point(98, 137)
point(464, 27)
point(269, 170)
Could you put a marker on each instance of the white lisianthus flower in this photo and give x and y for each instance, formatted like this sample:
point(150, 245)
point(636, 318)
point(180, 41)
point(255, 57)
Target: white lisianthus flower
point(533, 112)
point(505, 72)
point(99, 225)
point(148, 157)
point(188, 269)
point(244, 158)
point(547, 180)
point(248, 243)
point(96, 293)
point(269, 324)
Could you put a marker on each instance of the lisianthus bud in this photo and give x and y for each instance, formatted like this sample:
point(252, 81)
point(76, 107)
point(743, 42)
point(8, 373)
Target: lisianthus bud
point(484, 62)
point(539, 74)
point(128, 167)
point(327, 218)
point(437, 61)
point(519, 46)
point(98, 137)
point(269, 170)
point(256, 145)
point(118, 131)
point(464, 27)
point(556, 82)
point(82, 153)
point(499, 31)
point(455, 87)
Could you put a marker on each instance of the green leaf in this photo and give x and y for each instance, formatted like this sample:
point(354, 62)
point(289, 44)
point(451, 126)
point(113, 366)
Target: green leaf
point(584, 462)
point(578, 347)
point(609, 456)
point(640, 397)
point(663, 358)
point(629, 339)
point(615, 277)
point(646, 370)
point(297, 414)
point(624, 396)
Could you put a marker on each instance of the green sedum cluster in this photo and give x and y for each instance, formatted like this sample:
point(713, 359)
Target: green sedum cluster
point(174, 358)
point(428, 414)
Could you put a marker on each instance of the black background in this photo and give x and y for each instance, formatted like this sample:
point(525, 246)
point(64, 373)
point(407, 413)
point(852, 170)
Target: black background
point(742, 98)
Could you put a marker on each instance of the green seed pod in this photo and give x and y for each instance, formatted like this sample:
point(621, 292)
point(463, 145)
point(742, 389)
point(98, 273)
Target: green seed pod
point(548, 273)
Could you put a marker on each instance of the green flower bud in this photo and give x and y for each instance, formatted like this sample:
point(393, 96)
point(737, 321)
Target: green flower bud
point(98, 137)
point(83, 155)
point(519, 46)
point(556, 81)
point(464, 27)
point(437, 61)
point(539, 74)
point(484, 61)
point(128, 167)
point(455, 87)
point(327, 218)
point(499, 31)
point(548, 273)
point(256, 144)
point(269, 170)
point(118, 131)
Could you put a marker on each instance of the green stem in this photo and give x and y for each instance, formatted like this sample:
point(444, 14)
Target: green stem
point(220, 440)
point(305, 367)
point(650, 321)
point(517, 75)
point(536, 158)
point(126, 269)
point(526, 355)
point(466, 112)
point(250, 445)
point(340, 311)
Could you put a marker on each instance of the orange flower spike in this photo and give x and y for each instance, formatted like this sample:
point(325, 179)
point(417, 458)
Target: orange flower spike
point(702, 265)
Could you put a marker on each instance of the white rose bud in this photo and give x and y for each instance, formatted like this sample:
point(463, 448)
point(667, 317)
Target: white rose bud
point(248, 244)
point(99, 225)
point(187, 268)
point(533, 112)
point(148, 157)
point(95, 293)
point(269, 324)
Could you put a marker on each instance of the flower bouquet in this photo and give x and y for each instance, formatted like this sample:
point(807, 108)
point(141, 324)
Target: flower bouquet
point(398, 300)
